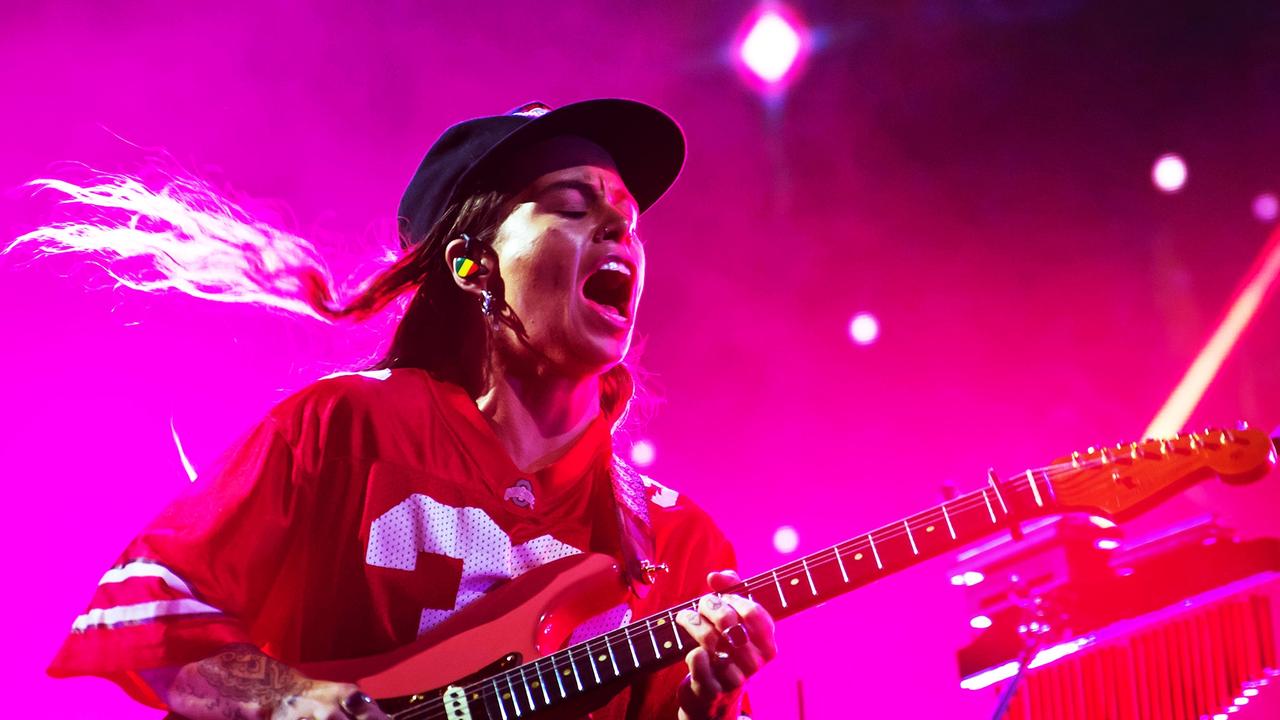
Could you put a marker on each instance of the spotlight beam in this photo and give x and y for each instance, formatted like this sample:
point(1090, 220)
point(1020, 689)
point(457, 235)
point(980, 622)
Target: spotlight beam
point(1259, 281)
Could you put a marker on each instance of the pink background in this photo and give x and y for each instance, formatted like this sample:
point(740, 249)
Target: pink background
point(975, 174)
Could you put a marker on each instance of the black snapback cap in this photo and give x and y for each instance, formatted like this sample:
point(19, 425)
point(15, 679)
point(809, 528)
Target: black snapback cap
point(645, 143)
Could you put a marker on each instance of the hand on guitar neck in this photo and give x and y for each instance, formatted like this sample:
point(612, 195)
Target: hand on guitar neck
point(735, 639)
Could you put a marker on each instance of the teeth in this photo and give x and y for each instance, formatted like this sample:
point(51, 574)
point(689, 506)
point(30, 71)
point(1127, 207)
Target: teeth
point(616, 266)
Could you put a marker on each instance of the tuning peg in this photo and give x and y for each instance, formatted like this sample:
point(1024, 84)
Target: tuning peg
point(1075, 459)
point(1242, 425)
point(1105, 454)
point(1226, 438)
point(1165, 448)
point(1195, 442)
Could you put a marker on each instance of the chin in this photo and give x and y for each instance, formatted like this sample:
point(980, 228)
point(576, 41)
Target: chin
point(599, 356)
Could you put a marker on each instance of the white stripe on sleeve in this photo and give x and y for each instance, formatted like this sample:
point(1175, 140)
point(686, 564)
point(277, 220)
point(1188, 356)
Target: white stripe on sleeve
point(140, 612)
point(146, 568)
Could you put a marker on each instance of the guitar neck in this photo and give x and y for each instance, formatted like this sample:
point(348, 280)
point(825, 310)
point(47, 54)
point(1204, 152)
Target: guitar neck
point(657, 640)
point(820, 576)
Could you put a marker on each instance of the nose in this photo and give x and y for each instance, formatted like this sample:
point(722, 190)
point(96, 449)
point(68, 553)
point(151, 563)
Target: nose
point(617, 228)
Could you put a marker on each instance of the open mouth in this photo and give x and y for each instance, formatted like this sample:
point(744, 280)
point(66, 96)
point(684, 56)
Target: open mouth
point(610, 287)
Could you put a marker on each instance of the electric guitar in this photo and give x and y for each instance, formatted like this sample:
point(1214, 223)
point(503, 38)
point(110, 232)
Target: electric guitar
point(504, 658)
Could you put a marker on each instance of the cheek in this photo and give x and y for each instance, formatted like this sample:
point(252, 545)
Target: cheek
point(541, 272)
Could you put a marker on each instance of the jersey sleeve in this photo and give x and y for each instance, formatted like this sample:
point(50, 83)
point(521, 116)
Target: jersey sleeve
point(193, 581)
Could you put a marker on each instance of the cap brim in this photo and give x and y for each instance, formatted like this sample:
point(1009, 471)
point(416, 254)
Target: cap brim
point(645, 143)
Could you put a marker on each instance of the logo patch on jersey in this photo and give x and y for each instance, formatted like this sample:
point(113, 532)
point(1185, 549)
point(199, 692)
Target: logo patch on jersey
point(520, 494)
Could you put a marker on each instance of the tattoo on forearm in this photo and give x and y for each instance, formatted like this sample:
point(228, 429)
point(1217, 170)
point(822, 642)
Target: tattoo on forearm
point(244, 674)
point(238, 683)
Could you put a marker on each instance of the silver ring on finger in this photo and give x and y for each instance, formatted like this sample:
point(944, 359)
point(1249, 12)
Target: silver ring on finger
point(355, 704)
point(737, 636)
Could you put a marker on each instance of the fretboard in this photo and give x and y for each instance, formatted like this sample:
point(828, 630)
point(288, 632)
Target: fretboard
point(657, 640)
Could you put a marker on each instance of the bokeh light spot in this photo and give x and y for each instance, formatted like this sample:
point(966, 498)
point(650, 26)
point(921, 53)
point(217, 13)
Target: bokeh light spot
point(1266, 207)
point(786, 540)
point(864, 328)
point(980, 622)
point(642, 453)
point(1169, 173)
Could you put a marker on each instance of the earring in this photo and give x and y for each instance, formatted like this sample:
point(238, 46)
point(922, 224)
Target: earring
point(488, 306)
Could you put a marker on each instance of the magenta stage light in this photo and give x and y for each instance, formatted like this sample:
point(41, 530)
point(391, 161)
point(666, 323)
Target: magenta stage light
point(1169, 173)
point(771, 47)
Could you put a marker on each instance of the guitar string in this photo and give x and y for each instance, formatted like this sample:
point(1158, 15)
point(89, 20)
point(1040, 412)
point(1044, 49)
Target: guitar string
point(967, 502)
point(482, 689)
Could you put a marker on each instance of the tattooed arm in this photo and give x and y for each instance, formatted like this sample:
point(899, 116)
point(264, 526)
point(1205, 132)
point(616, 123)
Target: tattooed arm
point(242, 683)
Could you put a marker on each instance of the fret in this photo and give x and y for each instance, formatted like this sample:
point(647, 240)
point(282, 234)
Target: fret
point(992, 481)
point(577, 679)
point(782, 598)
point(515, 699)
point(875, 552)
point(1031, 480)
point(840, 562)
point(990, 512)
point(671, 622)
point(805, 564)
point(635, 659)
point(555, 672)
point(591, 658)
point(528, 691)
point(612, 660)
point(947, 516)
point(914, 550)
point(657, 654)
point(497, 697)
point(542, 682)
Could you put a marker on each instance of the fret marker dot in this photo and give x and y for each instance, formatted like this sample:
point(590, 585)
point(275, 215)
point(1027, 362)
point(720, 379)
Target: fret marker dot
point(534, 683)
point(857, 556)
point(662, 621)
point(506, 696)
point(666, 645)
point(929, 529)
point(795, 581)
point(602, 658)
point(565, 672)
point(475, 696)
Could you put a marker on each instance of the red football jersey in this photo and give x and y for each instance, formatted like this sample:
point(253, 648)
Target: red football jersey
point(363, 511)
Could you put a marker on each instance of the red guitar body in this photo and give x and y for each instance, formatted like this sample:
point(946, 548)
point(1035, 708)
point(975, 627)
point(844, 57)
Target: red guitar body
point(525, 619)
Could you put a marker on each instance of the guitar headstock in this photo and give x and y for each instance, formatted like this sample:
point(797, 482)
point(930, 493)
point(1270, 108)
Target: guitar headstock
point(1122, 479)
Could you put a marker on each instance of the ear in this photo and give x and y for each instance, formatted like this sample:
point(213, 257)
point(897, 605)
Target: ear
point(477, 270)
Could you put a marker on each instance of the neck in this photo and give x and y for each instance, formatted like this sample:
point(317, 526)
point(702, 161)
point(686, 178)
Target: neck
point(536, 418)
